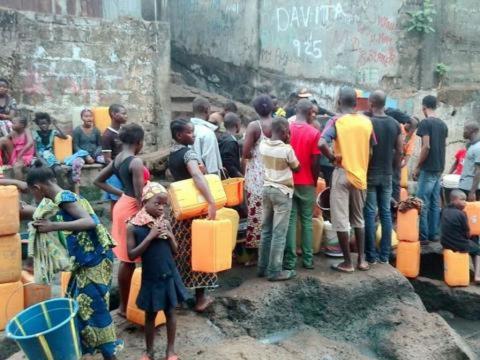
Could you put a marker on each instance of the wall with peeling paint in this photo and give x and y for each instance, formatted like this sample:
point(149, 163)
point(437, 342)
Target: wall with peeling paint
point(240, 48)
point(61, 64)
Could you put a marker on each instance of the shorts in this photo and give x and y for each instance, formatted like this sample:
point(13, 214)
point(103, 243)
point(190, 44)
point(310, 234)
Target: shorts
point(116, 183)
point(346, 203)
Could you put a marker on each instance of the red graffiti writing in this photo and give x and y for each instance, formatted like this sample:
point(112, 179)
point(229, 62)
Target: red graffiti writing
point(381, 39)
point(386, 23)
point(378, 57)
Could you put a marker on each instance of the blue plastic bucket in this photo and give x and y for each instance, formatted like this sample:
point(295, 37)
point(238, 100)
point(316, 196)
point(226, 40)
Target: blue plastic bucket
point(47, 330)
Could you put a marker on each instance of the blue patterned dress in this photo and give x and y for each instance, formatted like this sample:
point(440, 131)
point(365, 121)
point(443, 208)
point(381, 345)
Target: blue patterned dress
point(91, 280)
point(44, 150)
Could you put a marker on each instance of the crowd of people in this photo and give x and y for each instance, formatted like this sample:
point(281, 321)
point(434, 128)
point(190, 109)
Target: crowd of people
point(360, 156)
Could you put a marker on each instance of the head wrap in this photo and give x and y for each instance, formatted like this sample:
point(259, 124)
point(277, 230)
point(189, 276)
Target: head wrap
point(143, 217)
point(151, 189)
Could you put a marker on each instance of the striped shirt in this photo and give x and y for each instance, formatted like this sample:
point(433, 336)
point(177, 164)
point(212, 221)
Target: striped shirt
point(278, 160)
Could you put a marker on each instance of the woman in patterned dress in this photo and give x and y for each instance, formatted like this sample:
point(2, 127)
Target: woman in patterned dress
point(256, 131)
point(184, 164)
point(90, 247)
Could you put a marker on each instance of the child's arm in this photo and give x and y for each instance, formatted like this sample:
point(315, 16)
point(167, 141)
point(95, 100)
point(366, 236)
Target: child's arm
point(83, 220)
point(101, 180)
point(292, 161)
point(59, 133)
point(168, 232)
point(21, 185)
point(136, 168)
point(136, 251)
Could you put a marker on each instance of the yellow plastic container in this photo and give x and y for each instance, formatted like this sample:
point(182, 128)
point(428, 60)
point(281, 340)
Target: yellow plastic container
point(404, 177)
point(456, 268)
point(473, 213)
point(407, 226)
point(10, 258)
point(233, 188)
point(232, 216)
point(62, 148)
point(408, 258)
point(187, 201)
point(64, 279)
point(134, 314)
point(34, 293)
point(11, 301)
point(211, 245)
point(317, 228)
point(102, 118)
point(378, 237)
point(10, 214)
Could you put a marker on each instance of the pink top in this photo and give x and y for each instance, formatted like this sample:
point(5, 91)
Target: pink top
point(19, 142)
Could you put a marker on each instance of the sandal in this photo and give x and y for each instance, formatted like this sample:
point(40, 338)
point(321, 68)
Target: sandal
point(338, 268)
point(172, 357)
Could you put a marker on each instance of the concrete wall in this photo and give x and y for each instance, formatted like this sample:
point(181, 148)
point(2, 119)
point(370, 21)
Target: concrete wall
point(240, 48)
point(364, 43)
point(59, 64)
point(335, 41)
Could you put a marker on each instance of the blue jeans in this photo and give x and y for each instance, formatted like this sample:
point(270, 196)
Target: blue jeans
point(276, 215)
point(429, 192)
point(379, 193)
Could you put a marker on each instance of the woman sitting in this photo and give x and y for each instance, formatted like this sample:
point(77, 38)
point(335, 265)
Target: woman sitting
point(87, 145)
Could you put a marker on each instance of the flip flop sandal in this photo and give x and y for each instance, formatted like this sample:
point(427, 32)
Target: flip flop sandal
point(172, 357)
point(341, 269)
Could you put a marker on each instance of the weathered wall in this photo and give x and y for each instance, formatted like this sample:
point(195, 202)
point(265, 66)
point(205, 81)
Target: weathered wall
point(60, 63)
point(333, 41)
point(364, 43)
point(239, 48)
point(108, 9)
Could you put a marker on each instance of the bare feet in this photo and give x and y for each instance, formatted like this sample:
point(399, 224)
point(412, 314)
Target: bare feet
point(203, 303)
point(363, 266)
point(251, 263)
point(171, 356)
point(147, 356)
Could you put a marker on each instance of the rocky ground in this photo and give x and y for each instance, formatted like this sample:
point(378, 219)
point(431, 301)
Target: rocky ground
point(319, 315)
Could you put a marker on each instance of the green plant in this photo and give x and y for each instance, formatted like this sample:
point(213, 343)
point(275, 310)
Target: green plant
point(421, 20)
point(441, 69)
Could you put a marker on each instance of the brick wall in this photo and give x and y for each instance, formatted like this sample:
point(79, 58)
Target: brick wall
point(60, 64)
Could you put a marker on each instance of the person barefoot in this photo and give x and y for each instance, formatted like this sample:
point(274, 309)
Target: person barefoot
point(184, 164)
point(150, 236)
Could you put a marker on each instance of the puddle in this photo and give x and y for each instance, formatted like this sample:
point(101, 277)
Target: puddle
point(279, 336)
